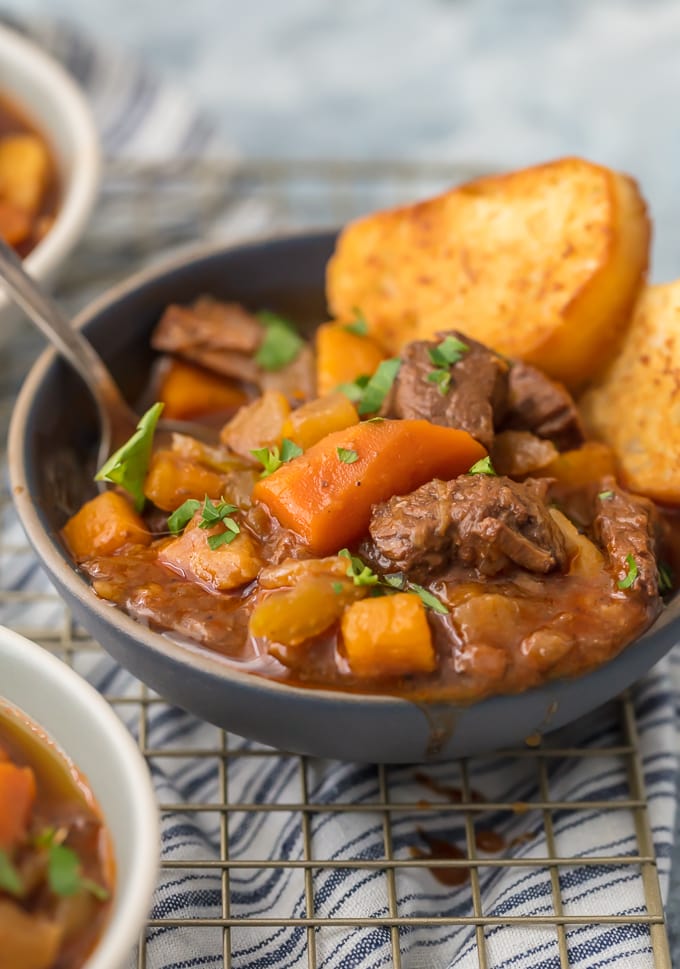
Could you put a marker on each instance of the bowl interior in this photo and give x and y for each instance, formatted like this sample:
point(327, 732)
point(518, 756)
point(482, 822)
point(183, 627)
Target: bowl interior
point(88, 731)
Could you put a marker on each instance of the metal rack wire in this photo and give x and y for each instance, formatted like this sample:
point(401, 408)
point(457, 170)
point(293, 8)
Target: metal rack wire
point(146, 211)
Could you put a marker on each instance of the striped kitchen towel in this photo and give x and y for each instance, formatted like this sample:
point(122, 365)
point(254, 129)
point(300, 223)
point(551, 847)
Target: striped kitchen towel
point(141, 119)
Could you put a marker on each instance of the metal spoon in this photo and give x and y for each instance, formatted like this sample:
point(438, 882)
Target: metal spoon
point(117, 420)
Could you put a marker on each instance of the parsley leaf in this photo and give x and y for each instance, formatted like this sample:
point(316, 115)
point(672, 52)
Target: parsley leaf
point(355, 389)
point(346, 455)
point(392, 582)
point(483, 466)
point(64, 874)
point(281, 343)
point(605, 495)
point(223, 538)
point(214, 512)
point(442, 378)
point(428, 599)
point(665, 578)
point(397, 580)
point(359, 326)
point(10, 880)
point(631, 574)
point(289, 450)
point(337, 588)
point(181, 516)
point(272, 459)
point(360, 573)
point(448, 352)
point(379, 386)
point(127, 467)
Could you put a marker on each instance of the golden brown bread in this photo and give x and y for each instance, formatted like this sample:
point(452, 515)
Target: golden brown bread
point(542, 264)
point(635, 408)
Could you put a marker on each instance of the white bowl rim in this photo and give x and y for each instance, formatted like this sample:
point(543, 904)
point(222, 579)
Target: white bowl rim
point(129, 912)
point(81, 190)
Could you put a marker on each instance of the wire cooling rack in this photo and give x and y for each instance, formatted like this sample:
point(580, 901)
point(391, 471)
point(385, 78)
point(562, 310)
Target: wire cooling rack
point(146, 212)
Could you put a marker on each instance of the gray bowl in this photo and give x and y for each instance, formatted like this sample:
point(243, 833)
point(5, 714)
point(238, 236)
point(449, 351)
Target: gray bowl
point(51, 448)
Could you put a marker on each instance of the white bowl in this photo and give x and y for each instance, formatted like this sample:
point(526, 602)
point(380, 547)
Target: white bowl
point(87, 729)
point(43, 90)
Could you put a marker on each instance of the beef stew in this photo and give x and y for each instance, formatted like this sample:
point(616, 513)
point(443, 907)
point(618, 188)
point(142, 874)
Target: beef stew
point(56, 861)
point(362, 540)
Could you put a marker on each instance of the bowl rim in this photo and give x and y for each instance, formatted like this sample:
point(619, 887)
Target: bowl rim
point(193, 656)
point(131, 906)
point(80, 182)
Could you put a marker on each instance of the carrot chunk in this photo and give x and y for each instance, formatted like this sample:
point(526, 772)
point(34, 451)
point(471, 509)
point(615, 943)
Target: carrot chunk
point(103, 525)
point(17, 794)
point(342, 356)
point(388, 637)
point(189, 391)
point(326, 494)
point(171, 479)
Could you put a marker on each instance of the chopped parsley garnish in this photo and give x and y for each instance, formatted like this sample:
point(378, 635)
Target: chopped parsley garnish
point(631, 574)
point(393, 581)
point(347, 455)
point(448, 352)
point(397, 580)
point(219, 513)
point(442, 378)
point(358, 571)
point(337, 588)
point(427, 598)
point(232, 529)
point(359, 326)
point(355, 389)
point(379, 386)
point(605, 495)
point(212, 513)
point(181, 516)
point(10, 880)
point(281, 343)
point(483, 466)
point(64, 874)
point(272, 459)
point(665, 578)
point(215, 512)
point(128, 465)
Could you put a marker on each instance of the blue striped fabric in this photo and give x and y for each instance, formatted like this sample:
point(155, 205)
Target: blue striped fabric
point(142, 119)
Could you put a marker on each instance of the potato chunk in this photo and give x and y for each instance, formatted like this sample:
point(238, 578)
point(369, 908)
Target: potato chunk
point(388, 637)
point(103, 525)
point(24, 171)
point(635, 408)
point(319, 417)
point(257, 425)
point(541, 264)
point(171, 479)
point(219, 569)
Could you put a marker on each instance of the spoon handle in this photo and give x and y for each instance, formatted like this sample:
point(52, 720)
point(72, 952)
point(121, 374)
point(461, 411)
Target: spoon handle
point(69, 342)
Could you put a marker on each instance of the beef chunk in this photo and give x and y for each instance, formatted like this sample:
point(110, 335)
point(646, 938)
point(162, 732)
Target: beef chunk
point(223, 337)
point(220, 336)
point(481, 521)
point(624, 525)
point(474, 401)
point(541, 405)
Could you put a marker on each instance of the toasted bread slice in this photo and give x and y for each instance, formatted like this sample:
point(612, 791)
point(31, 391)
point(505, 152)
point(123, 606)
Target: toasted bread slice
point(636, 406)
point(543, 264)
